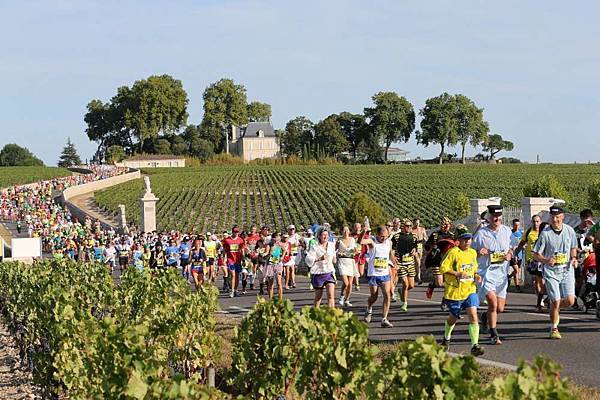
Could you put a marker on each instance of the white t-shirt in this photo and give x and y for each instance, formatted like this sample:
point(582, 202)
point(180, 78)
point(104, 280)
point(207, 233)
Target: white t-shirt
point(318, 266)
point(378, 258)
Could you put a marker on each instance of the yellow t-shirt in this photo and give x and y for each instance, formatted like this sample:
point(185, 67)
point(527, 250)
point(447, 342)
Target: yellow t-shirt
point(459, 260)
point(531, 239)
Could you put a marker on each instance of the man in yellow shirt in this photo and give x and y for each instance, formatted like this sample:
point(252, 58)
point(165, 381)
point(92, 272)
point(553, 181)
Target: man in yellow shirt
point(459, 269)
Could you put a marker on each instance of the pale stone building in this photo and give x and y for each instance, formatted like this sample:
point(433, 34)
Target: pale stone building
point(153, 161)
point(256, 140)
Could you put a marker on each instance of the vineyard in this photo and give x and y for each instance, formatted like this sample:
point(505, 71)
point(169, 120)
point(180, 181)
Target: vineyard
point(19, 175)
point(214, 198)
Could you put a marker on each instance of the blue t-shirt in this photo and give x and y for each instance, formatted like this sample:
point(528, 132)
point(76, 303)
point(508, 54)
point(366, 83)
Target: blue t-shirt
point(184, 250)
point(171, 254)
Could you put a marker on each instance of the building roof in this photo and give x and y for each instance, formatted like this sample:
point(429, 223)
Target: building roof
point(150, 157)
point(396, 150)
point(253, 128)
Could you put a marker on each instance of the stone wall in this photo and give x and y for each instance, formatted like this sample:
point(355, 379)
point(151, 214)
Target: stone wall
point(91, 187)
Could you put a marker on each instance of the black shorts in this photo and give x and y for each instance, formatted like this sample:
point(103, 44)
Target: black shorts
point(184, 261)
point(123, 260)
point(535, 268)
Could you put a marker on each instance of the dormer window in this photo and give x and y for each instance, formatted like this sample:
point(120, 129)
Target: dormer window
point(260, 133)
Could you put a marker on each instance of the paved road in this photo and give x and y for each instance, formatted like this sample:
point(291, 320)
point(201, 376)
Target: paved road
point(524, 332)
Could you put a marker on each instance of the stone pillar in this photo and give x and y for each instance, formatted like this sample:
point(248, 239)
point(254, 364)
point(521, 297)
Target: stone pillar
point(122, 218)
point(477, 207)
point(531, 206)
point(148, 208)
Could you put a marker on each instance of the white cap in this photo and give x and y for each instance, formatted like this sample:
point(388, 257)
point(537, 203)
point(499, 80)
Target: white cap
point(291, 227)
point(208, 234)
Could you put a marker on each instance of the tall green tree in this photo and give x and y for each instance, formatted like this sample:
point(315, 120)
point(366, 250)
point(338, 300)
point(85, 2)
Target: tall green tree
point(392, 119)
point(495, 144)
point(13, 155)
point(330, 137)
point(298, 133)
point(439, 125)
point(225, 104)
point(69, 156)
point(150, 107)
point(471, 127)
point(355, 129)
point(115, 153)
point(259, 112)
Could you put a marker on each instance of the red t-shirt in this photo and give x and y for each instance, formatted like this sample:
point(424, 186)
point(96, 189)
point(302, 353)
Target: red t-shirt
point(233, 249)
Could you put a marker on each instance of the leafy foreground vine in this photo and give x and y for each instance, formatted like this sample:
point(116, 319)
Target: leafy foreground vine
point(278, 351)
point(84, 337)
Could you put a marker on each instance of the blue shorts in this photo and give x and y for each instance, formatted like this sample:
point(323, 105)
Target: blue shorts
point(197, 268)
point(235, 268)
point(379, 280)
point(455, 306)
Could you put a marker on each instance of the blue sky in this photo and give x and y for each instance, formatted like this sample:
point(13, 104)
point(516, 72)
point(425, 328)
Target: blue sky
point(533, 66)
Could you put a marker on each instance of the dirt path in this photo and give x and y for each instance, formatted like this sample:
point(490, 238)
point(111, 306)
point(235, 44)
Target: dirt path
point(15, 381)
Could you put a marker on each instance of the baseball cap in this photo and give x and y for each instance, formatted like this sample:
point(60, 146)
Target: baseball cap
point(291, 227)
point(495, 209)
point(462, 233)
point(555, 210)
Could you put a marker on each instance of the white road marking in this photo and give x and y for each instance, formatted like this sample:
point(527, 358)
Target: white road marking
point(490, 363)
point(236, 308)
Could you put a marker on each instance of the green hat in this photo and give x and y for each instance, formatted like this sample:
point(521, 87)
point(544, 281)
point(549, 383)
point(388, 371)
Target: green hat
point(462, 233)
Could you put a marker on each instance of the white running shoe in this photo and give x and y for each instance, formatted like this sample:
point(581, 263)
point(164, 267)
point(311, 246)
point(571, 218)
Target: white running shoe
point(231, 294)
point(341, 302)
point(386, 324)
point(368, 315)
point(348, 304)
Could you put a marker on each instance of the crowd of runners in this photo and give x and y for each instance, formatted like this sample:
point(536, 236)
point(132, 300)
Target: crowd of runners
point(473, 268)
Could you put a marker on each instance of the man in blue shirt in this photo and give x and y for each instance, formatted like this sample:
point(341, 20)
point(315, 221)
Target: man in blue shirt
point(515, 262)
point(184, 257)
point(556, 249)
point(492, 243)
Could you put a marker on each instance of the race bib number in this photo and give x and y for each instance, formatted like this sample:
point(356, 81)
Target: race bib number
point(419, 246)
point(294, 250)
point(407, 258)
point(467, 269)
point(560, 258)
point(234, 247)
point(380, 263)
point(497, 257)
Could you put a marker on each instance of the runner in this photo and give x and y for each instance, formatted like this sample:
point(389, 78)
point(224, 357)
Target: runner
point(159, 258)
point(251, 241)
point(406, 250)
point(172, 252)
point(379, 258)
point(233, 247)
point(492, 243)
point(110, 254)
point(263, 249)
point(394, 232)
point(184, 257)
point(321, 260)
point(198, 261)
point(359, 258)
point(136, 257)
point(291, 264)
point(534, 267)
point(346, 249)
point(211, 248)
point(123, 253)
point(420, 238)
point(556, 249)
point(517, 258)
point(459, 269)
point(436, 246)
point(274, 268)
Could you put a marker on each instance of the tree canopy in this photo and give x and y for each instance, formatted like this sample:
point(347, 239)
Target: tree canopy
point(470, 125)
point(439, 125)
point(330, 137)
point(392, 119)
point(153, 106)
point(495, 144)
point(259, 112)
point(13, 155)
point(298, 133)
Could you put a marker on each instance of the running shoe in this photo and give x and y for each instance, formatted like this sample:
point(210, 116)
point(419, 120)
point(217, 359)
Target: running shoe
point(357, 288)
point(443, 306)
point(348, 304)
point(310, 286)
point(394, 298)
point(232, 294)
point(404, 307)
point(483, 322)
point(287, 288)
point(386, 324)
point(342, 301)
point(477, 350)
point(244, 292)
point(494, 340)
point(429, 292)
point(539, 309)
point(294, 285)
point(445, 343)
point(368, 315)
point(419, 282)
point(555, 334)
